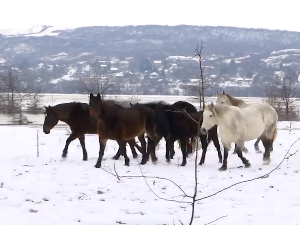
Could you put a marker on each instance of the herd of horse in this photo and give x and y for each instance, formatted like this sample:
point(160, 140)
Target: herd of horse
point(121, 121)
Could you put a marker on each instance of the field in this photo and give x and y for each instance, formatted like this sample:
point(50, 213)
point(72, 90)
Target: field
point(48, 190)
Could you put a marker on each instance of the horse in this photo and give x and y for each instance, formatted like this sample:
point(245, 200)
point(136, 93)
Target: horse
point(77, 116)
point(115, 122)
point(173, 123)
point(179, 105)
point(237, 125)
point(227, 99)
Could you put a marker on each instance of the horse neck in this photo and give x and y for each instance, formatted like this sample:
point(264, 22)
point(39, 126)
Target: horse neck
point(62, 112)
point(222, 111)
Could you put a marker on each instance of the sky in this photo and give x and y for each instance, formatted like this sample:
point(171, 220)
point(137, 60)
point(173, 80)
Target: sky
point(269, 14)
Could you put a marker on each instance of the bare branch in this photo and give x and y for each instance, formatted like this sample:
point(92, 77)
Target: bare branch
point(253, 179)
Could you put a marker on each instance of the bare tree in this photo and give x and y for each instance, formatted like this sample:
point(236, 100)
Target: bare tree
point(282, 93)
point(35, 102)
point(98, 82)
point(15, 93)
point(203, 84)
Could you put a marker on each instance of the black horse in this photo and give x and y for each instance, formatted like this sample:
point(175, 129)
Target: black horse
point(179, 105)
point(174, 124)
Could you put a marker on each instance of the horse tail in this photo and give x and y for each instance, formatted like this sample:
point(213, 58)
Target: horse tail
point(274, 133)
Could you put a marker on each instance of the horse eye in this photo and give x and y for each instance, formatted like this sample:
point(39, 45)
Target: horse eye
point(210, 116)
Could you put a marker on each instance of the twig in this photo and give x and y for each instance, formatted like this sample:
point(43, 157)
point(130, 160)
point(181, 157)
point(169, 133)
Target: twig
point(249, 180)
point(215, 220)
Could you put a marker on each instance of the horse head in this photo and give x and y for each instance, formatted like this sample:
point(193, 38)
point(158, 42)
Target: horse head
point(209, 118)
point(51, 119)
point(95, 105)
point(223, 99)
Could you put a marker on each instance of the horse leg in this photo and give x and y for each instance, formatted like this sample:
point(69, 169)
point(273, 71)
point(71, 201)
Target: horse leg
point(82, 143)
point(152, 144)
point(183, 142)
point(118, 154)
point(122, 145)
point(71, 138)
point(225, 156)
point(204, 145)
point(235, 147)
point(132, 144)
point(169, 146)
point(216, 142)
point(102, 143)
point(171, 149)
point(143, 145)
point(268, 146)
point(256, 147)
point(240, 155)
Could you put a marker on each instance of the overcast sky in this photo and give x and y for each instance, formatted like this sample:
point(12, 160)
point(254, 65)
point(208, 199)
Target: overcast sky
point(276, 14)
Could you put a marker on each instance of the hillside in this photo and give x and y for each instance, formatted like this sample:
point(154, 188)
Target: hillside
point(160, 57)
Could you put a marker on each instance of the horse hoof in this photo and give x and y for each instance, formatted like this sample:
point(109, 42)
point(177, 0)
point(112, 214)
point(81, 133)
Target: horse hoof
point(134, 156)
point(233, 153)
point(258, 151)
point(98, 165)
point(223, 168)
point(115, 158)
point(201, 163)
point(266, 161)
point(168, 160)
point(126, 164)
point(84, 159)
point(247, 165)
point(183, 164)
point(142, 163)
point(64, 155)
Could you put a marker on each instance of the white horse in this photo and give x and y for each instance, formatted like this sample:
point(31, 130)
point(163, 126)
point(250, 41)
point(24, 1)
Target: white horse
point(237, 125)
point(227, 99)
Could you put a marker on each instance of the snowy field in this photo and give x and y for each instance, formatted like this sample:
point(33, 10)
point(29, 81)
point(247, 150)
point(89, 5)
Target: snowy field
point(48, 190)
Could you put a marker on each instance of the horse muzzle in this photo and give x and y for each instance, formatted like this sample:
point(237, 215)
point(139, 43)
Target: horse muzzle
point(46, 131)
point(203, 131)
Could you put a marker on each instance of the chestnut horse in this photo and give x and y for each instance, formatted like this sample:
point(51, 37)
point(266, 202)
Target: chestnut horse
point(115, 122)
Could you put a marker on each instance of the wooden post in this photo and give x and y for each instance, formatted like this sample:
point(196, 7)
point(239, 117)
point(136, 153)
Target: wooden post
point(37, 144)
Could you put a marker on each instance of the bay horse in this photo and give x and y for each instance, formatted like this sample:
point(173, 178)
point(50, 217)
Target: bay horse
point(175, 124)
point(227, 99)
point(237, 125)
point(77, 116)
point(117, 123)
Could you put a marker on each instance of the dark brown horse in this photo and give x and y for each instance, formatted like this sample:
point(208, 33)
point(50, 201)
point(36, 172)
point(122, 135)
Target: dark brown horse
point(77, 116)
point(118, 123)
point(174, 124)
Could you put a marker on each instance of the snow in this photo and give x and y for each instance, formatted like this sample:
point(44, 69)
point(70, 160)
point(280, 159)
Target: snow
point(49, 190)
point(36, 31)
point(286, 51)
point(68, 76)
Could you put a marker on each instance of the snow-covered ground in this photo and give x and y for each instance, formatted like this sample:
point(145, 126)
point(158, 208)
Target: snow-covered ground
point(48, 190)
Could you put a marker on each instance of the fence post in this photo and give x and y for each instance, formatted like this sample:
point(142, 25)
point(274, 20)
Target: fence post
point(37, 144)
point(290, 127)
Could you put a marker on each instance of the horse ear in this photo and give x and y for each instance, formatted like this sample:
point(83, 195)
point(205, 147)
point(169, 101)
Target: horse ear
point(223, 92)
point(91, 95)
point(98, 95)
point(130, 103)
point(212, 105)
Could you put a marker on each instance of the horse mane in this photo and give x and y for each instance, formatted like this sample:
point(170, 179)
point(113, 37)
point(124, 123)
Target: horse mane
point(235, 101)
